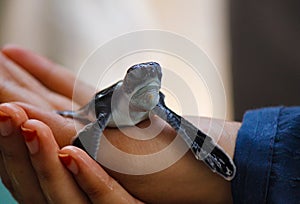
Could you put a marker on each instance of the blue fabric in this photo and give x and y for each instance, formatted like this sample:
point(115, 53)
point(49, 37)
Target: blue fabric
point(267, 156)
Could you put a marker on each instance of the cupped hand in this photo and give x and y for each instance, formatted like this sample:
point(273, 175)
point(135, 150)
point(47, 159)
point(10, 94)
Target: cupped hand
point(42, 87)
point(45, 179)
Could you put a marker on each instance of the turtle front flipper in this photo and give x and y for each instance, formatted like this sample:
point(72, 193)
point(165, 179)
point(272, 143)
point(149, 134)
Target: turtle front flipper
point(202, 145)
point(82, 115)
point(89, 137)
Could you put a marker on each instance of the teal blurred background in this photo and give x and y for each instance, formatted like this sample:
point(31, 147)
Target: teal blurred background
point(5, 197)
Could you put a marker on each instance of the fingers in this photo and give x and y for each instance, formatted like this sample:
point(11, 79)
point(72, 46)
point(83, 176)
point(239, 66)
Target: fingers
point(16, 169)
point(16, 84)
point(56, 182)
point(51, 75)
point(62, 128)
point(12, 90)
point(94, 181)
point(19, 75)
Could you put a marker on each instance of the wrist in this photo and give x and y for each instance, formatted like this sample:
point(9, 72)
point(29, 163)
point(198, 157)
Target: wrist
point(223, 132)
point(187, 178)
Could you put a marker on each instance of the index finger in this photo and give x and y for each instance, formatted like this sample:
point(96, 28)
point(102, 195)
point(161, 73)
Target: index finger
point(93, 180)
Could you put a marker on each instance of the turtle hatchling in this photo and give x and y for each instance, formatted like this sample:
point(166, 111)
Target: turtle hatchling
point(130, 101)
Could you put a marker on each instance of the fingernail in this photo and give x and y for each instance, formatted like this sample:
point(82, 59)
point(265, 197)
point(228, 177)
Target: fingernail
point(5, 124)
point(69, 162)
point(31, 140)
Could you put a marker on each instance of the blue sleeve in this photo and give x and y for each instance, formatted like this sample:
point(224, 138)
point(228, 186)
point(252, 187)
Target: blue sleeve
point(267, 156)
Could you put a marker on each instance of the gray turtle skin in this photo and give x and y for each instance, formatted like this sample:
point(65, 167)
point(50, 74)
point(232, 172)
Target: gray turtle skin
point(129, 102)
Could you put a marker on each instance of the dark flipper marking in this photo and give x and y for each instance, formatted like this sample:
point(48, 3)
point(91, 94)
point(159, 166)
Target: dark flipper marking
point(89, 137)
point(203, 147)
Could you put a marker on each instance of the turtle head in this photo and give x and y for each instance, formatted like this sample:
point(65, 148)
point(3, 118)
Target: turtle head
point(142, 83)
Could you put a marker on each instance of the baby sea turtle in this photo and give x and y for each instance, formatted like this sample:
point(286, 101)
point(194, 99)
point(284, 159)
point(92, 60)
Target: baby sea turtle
point(129, 102)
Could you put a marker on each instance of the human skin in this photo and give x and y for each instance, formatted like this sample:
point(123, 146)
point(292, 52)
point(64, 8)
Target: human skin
point(188, 180)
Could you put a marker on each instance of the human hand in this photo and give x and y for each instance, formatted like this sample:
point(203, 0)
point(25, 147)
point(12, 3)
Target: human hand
point(27, 77)
point(30, 78)
point(44, 179)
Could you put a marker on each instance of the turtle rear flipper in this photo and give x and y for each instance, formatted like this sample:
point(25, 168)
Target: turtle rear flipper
point(202, 145)
point(89, 137)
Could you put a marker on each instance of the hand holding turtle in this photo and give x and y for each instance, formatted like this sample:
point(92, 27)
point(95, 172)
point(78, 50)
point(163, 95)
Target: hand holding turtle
point(49, 181)
point(148, 187)
point(40, 168)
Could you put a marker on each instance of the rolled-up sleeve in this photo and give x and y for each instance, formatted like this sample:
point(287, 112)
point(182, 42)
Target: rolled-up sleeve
point(267, 157)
